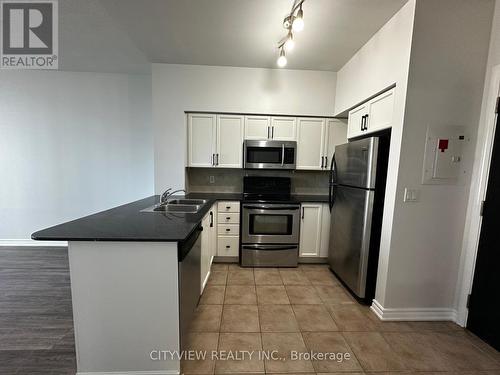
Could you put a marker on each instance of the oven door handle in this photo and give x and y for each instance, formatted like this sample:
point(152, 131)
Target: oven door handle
point(277, 208)
point(264, 247)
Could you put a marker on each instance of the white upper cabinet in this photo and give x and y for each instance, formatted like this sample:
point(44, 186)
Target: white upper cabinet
point(257, 127)
point(201, 140)
point(335, 134)
point(372, 116)
point(229, 152)
point(310, 143)
point(215, 140)
point(283, 128)
point(381, 111)
point(310, 229)
point(356, 122)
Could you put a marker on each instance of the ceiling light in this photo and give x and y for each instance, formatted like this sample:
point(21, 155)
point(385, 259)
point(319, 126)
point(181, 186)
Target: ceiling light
point(282, 59)
point(298, 21)
point(290, 43)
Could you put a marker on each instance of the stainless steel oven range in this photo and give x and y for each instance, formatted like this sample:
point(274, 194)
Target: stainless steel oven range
point(270, 223)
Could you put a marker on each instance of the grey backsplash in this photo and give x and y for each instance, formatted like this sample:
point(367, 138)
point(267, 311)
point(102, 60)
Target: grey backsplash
point(231, 180)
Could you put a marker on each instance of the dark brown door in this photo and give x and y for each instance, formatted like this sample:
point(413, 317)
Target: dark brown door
point(484, 303)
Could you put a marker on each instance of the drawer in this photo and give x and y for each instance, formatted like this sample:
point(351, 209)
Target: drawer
point(228, 206)
point(228, 230)
point(228, 218)
point(228, 246)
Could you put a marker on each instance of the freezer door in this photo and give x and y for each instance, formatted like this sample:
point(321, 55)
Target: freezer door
point(350, 236)
point(356, 163)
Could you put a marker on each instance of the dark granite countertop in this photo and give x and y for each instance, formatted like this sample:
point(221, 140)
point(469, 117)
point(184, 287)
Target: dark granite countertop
point(128, 223)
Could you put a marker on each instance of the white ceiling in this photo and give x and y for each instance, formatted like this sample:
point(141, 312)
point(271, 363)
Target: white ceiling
point(123, 35)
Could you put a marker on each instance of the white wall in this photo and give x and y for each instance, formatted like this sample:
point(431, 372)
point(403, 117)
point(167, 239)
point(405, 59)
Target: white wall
point(382, 62)
point(479, 174)
point(179, 88)
point(447, 67)
point(71, 144)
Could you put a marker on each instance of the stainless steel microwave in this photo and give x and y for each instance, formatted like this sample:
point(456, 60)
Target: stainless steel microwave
point(269, 154)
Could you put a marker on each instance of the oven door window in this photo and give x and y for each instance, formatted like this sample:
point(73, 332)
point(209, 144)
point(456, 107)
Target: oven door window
point(264, 155)
point(271, 224)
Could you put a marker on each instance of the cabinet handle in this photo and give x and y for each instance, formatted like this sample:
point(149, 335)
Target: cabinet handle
point(366, 122)
point(228, 247)
point(228, 230)
point(302, 213)
point(322, 162)
point(216, 159)
point(268, 132)
point(228, 218)
point(228, 207)
point(326, 161)
point(272, 132)
point(213, 159)
point(211, 219)
point(362, 122)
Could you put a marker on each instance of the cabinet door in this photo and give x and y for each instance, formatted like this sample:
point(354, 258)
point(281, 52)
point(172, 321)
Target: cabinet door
point(213, 234)
point(381, 111)
point(229, 141)
point(325, 230)
point(284, 128)
point(311, 133)
point(355, 121)
point(205, 250)
point(257, 127)
point(336, 134)
point(310, 230)
point(201, 140)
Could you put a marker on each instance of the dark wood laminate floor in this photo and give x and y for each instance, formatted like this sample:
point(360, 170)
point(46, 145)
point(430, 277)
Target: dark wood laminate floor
point(36, 321)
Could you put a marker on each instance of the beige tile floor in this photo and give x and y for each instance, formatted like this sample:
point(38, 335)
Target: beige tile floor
point(307, 309)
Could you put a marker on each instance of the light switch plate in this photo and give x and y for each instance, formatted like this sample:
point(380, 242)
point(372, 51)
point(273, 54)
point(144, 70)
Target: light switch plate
point(411, 195)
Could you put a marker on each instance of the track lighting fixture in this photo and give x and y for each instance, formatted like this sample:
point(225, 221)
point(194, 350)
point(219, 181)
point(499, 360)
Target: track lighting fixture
point(293, 23)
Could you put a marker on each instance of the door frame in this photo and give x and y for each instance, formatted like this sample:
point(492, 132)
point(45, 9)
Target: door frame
point(481, 168)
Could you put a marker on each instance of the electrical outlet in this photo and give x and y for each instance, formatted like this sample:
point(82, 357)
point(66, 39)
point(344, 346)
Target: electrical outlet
point(411, 195)
point(212, 179)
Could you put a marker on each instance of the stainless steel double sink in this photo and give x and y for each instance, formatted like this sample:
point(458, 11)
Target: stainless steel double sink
point(182, 206)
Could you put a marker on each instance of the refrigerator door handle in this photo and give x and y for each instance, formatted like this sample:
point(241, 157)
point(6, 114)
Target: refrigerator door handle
point(331, 183)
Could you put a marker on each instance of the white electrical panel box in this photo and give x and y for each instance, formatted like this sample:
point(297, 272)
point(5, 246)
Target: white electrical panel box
point(443, 155)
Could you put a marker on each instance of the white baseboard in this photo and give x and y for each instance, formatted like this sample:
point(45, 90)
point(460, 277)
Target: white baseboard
point(31, 243)
point(413, 314)
point(158, 372)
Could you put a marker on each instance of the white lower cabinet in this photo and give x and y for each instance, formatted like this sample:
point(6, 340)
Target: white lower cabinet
point(208, 244)
point(314, 230)
point(228, 228)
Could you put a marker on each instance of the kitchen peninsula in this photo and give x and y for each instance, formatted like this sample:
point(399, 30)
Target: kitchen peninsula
point(134, 281)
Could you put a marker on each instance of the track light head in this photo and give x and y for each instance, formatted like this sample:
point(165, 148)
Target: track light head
point(281, 62)
point(298, 20)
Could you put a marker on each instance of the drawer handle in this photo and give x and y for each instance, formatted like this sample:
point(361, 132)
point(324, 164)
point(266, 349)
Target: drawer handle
point(228, 207)
point(228, 247)
point(228, 218)
point(228, 229)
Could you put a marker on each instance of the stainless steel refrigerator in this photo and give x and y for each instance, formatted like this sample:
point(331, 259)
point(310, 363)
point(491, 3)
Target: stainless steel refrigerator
point(357, 188)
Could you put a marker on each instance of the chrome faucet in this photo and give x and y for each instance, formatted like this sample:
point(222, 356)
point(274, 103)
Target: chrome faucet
point(168, 193)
